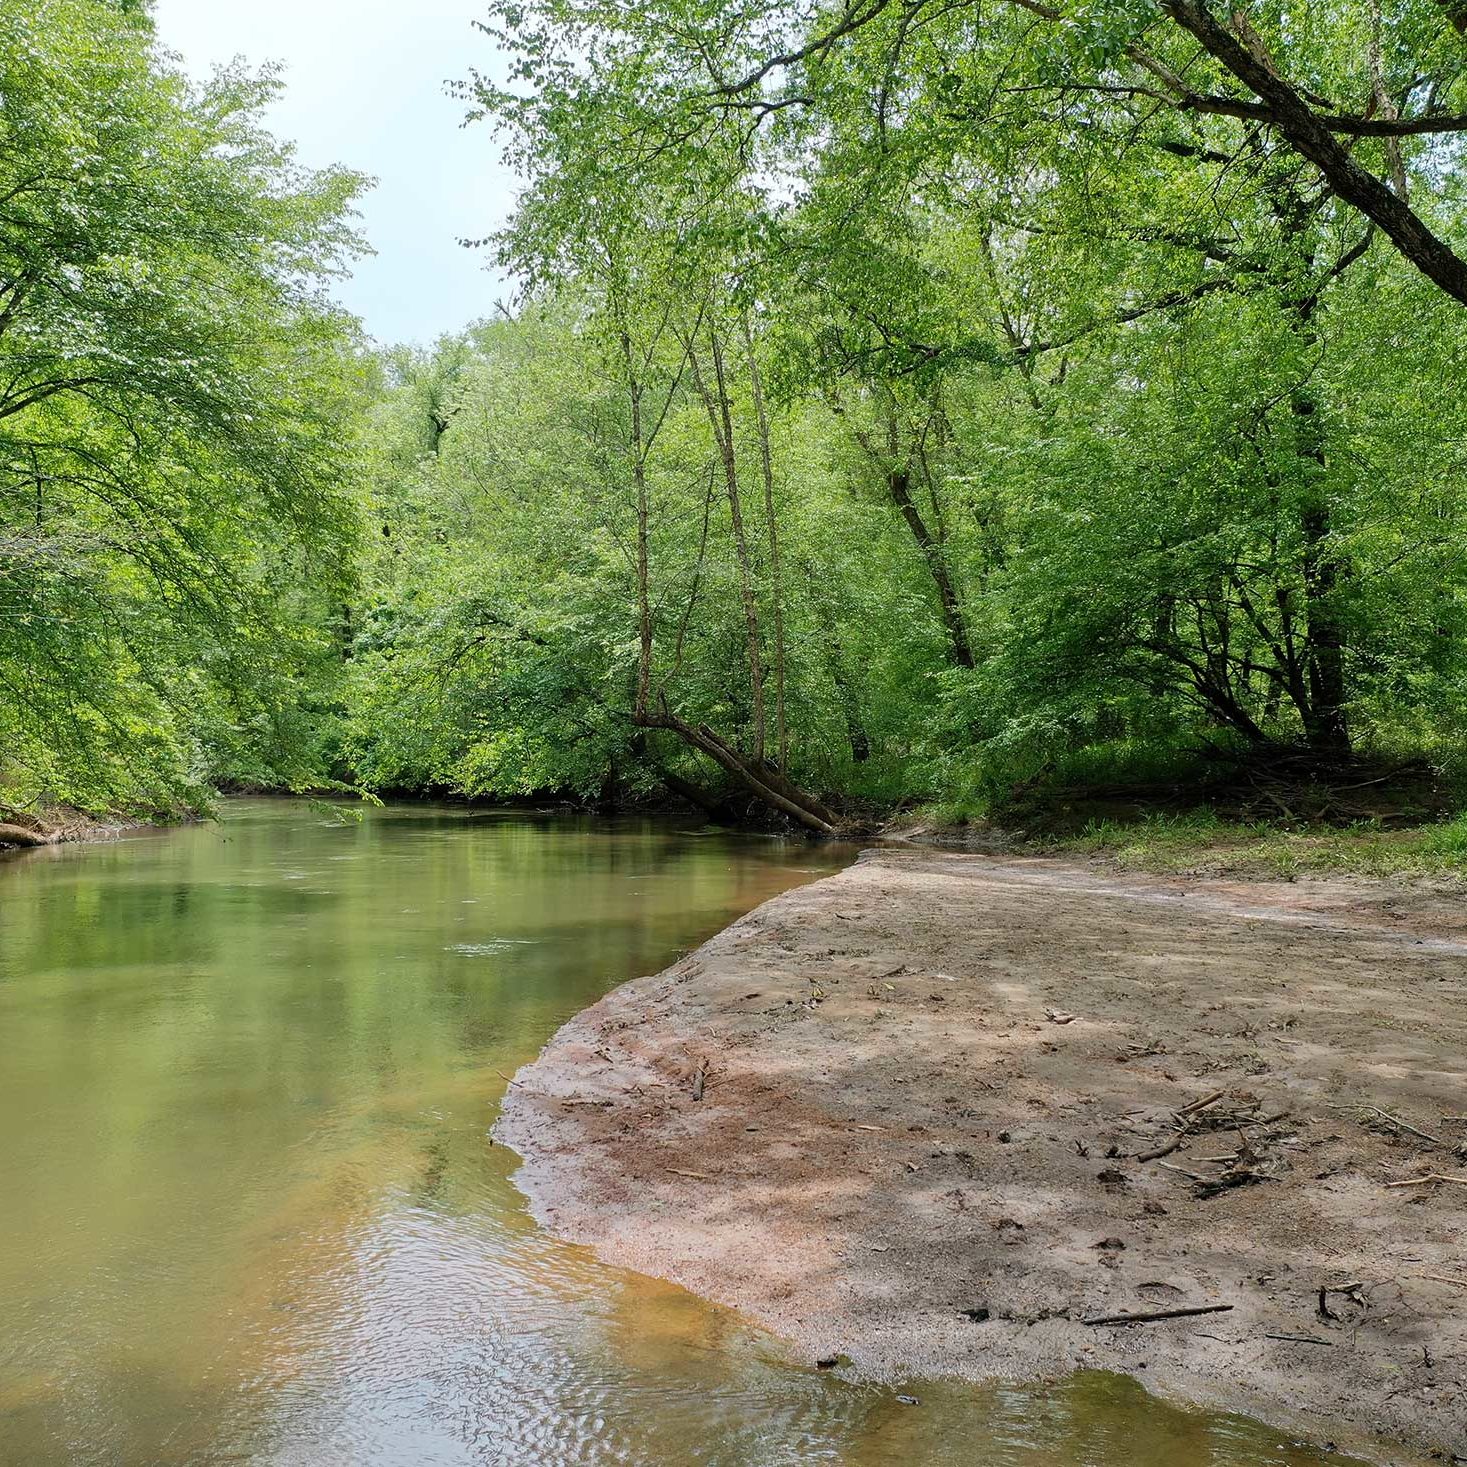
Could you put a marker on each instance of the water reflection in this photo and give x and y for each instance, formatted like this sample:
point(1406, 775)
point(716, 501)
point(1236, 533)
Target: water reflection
point(249, 1210)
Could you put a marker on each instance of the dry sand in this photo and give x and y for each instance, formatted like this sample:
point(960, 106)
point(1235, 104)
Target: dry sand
point(909, 1154)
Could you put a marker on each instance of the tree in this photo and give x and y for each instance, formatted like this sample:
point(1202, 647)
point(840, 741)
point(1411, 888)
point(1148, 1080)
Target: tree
point(173, 390)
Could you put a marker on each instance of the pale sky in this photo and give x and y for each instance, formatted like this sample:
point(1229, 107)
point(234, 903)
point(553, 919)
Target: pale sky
point(364, 87)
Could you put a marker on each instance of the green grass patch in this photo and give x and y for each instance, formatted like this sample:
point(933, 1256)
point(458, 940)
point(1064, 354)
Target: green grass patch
point(1201, 842)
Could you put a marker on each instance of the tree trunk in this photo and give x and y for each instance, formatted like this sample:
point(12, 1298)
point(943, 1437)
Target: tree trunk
point(899, 485)
point(638, 457)
point(20, 828)
point(776, 580)
point(1327, 728)
point(769, 785)
point(850, 706)
point(720, 417)
point(1325, 725)
point(856, 735)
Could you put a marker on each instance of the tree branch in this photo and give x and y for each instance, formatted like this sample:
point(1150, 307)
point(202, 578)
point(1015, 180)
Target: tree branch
point(1311, 135)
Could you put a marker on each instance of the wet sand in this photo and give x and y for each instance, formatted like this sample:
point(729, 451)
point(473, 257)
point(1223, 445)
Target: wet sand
point(928, 1084)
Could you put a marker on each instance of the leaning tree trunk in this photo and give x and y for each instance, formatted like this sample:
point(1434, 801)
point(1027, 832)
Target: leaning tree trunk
point(769, 785)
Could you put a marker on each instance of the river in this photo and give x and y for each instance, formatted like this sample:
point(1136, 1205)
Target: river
point(250, 1213)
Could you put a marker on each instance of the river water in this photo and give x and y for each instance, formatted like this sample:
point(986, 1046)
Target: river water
point(249, 1213)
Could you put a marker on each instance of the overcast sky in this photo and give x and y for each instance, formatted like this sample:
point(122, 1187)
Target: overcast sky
point(364, 87)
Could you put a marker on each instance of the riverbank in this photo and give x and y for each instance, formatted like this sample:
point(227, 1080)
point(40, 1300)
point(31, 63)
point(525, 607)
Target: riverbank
point(927, 1088)
point(1201, 844)
point(21, 831)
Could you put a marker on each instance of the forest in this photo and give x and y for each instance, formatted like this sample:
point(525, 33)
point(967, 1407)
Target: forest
point(905, 404)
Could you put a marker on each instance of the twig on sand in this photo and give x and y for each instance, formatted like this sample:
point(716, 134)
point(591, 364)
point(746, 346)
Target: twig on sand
point(700, 1079)
point(697, 1176)
point(1202, 1104)
point(1300, 1339)
point(1161, 1151)
point(1191, 1176)
point(508, 1079)
point(1429, 1177)
point(1148, 1317)
point(1441, 1278)
point(1396, 1121)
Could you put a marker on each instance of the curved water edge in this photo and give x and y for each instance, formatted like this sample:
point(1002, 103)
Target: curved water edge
point(249, 1208)
point(896, 1248)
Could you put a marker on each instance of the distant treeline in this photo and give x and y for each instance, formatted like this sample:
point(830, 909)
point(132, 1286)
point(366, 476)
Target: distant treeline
point(905, 401)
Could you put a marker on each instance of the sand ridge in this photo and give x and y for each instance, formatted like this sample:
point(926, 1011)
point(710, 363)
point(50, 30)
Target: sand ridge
point(929, 1081)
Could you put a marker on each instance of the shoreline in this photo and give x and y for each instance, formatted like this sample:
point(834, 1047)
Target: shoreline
point(928, 1083)
point(69, 828)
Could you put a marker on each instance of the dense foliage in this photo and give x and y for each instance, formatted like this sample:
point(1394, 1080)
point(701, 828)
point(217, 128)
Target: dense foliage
point(910, 396)
point(905, 399)
point(174, 390)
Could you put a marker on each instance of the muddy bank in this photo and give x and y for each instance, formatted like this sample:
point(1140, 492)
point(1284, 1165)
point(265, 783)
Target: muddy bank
point(22, 831)
point(930, 1081)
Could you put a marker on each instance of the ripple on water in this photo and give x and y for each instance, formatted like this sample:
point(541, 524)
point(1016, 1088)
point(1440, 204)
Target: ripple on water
point(488, 949)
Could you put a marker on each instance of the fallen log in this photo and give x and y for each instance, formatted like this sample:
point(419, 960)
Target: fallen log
point(21, 835)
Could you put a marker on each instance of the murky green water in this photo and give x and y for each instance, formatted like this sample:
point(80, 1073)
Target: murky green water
point(248, 1213)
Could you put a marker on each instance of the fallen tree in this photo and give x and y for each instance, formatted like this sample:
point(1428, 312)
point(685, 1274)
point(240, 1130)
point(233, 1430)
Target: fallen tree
point(20, 828)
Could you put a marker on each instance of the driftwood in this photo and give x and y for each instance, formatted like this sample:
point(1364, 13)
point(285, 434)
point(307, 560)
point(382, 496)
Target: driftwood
point(19, 835)
point(1148, 1316)
point(1360, 1107)
point(1160, 1151)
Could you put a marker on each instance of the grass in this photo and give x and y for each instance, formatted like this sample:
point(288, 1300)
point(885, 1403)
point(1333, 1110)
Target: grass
point(1202, 842)
point(1153, 807)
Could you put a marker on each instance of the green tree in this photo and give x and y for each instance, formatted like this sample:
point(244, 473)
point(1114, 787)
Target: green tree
point(175, 391)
